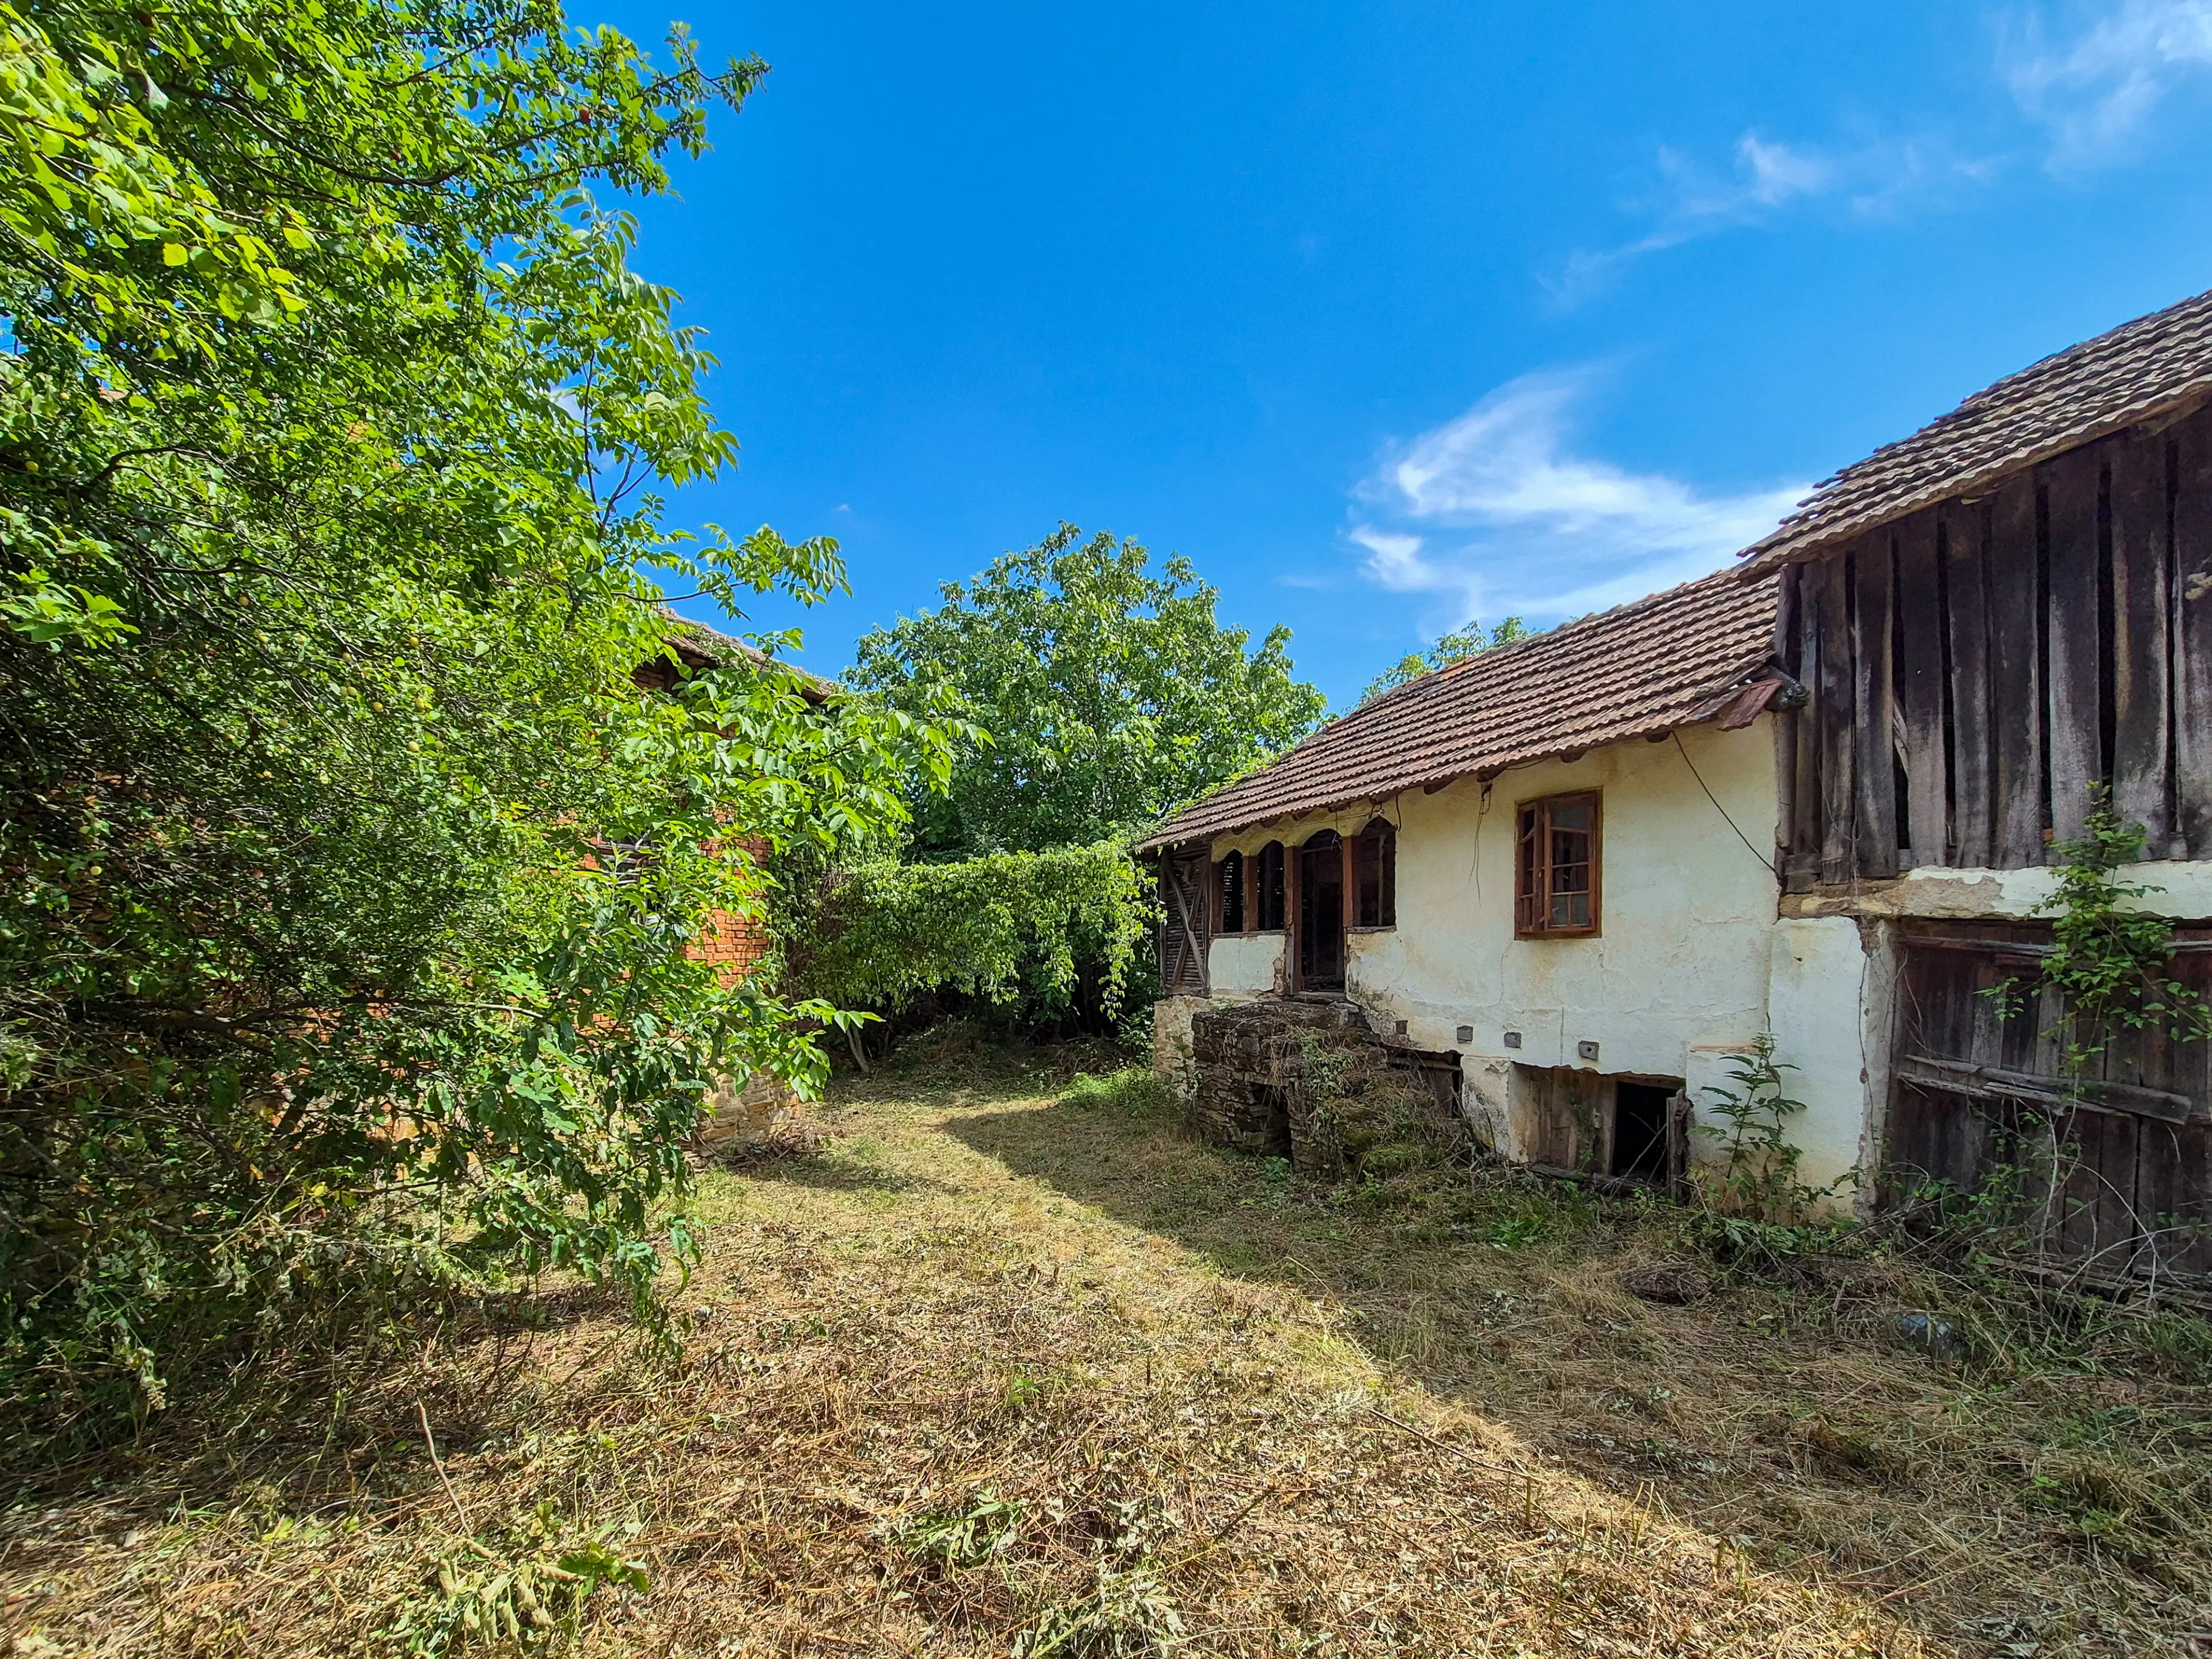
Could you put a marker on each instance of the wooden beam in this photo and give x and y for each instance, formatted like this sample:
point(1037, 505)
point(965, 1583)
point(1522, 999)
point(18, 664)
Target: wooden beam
point(1873, 727)
point(2193, 657)
point(1921, 693)
point(1834, 706)
point(1348, 900)
point(1974, 746)
point(1959, 1077)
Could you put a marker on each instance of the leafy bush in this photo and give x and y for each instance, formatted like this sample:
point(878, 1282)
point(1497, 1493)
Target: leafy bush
point(349, 879)
point(1042, 932)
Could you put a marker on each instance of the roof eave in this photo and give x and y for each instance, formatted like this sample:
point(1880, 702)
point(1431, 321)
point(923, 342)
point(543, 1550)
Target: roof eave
point(1780, 549)
point(1705, 710)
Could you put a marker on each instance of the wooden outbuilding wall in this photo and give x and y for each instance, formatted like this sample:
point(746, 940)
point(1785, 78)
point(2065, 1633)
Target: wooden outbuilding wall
point(1974, 668)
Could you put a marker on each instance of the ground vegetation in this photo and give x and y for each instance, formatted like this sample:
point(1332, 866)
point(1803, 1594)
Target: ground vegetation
point(998, 1359)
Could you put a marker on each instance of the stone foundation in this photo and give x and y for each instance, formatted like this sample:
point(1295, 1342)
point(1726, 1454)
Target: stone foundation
point(1306, 1080)
point(762, 1110)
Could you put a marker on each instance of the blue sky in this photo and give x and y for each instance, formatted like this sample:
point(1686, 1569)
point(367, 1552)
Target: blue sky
point(1391, 315)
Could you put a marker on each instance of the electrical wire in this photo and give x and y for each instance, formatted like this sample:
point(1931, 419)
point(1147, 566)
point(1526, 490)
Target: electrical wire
point(1765, 862)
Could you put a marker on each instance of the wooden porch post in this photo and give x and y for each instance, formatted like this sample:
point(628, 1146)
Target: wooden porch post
point(1350, 895)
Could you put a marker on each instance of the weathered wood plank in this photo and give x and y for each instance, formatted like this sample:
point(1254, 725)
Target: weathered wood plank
point(1973, 747)
point(1789, 654)
point(2073, 486)
point(2141, 590)
point(1806, 843)
point(2097, 1095)
point(1801, 866)
point(1834, 711)
point(2191, 602)
point(2097, 1198)
point(2015, 670)
point(1912, 1141)
point(1874, 760)
point(1921, 693)
point(2174, 1195)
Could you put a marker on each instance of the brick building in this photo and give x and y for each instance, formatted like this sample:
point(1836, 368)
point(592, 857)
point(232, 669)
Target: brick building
point(753, 1108)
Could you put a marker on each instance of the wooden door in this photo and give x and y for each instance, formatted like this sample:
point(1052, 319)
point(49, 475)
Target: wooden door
point(1184, 890)
point(1321, 913)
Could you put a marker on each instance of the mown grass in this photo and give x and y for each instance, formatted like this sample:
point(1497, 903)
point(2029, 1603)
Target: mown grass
point(1007, 1363)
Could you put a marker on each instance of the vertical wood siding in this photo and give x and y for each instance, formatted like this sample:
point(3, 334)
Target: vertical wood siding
point(2104, 1180)
point(1976, 669)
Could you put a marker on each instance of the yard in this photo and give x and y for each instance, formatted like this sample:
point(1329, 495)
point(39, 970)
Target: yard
point(1008, 1362)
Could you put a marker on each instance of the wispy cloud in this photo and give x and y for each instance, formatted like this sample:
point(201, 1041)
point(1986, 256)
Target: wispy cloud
point(1763, 178)
point(2095, 86)
point(1495, 514)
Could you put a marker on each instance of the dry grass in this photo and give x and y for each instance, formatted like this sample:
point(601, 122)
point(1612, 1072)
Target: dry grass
point(998, 1367)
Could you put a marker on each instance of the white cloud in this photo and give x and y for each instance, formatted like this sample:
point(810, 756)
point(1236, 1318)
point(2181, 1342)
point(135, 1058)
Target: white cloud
point(2094, 90)
point(1495, 514)
point(1763, 178)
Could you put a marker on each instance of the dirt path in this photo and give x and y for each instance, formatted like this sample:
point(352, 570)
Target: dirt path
point(1002, 1367)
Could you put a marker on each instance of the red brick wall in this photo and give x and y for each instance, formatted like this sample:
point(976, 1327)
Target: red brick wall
point(734, 943)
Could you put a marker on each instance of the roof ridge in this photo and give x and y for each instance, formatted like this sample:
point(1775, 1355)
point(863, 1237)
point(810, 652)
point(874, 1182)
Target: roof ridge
point(2132, 371)
point(1548, 636)
point(1601, 678)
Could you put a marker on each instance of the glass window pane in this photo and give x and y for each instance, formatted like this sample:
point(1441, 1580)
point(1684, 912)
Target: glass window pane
point(1571, 815)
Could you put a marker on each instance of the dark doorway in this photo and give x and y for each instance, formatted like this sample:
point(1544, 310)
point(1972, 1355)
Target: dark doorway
point(1639, 1131)
point(1321, 912)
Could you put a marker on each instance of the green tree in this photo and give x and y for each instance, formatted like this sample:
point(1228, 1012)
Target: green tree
point(1109, 691)
point(1462, 643)
point(348, 878)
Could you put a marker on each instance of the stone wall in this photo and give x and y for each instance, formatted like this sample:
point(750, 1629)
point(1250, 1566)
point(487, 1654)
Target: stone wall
point(1304, 1079)
point(761, 1109)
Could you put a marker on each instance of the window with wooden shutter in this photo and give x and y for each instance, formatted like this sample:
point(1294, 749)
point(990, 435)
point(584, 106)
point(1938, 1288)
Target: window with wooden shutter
point(1556, 889)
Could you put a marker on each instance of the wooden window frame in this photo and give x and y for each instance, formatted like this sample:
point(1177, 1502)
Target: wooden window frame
point(1533, 920)
point(1287, 865)
point(1220, 888)
point(1383, 834)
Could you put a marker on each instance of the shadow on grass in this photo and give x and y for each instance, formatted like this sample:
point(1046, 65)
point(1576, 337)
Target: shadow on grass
point(1409, 1257)
point(834, 1170)
point(1755, 1413)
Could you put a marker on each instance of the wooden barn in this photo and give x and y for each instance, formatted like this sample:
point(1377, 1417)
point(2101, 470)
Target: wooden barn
point(1994, 619)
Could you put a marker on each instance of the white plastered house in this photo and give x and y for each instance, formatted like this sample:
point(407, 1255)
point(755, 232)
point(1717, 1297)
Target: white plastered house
point(1815, 796)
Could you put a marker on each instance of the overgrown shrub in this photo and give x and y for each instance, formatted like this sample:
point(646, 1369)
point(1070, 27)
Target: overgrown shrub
point(1043, 936)
point(346, 878)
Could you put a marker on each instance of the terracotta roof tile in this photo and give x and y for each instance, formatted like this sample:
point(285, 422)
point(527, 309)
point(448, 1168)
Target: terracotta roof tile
point(701, 646)
point(1637, 671)
point(2138, 371)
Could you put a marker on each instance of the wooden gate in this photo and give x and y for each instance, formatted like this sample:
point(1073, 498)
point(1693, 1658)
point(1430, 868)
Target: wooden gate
point(1183, 930)
point(2113, 1170)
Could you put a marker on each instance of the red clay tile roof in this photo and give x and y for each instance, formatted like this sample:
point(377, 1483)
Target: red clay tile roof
point(1638, 671)
point(701, 646)
point(2140, 370)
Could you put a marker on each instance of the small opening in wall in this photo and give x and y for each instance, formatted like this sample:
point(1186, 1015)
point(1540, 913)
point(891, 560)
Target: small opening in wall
point(1277, 1103)
point(1639, 1131)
